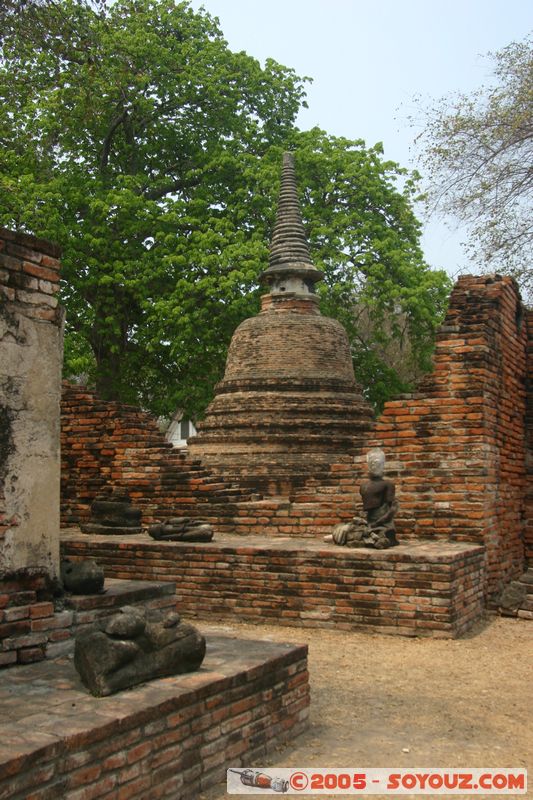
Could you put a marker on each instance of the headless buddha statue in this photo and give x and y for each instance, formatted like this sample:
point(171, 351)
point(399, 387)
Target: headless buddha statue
point(376, 529)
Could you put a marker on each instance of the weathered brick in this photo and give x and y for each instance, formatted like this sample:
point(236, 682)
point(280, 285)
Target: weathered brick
point(28, 655)
point(134, 790)
point(41, 610)
point(11, 629)
point(138, 752)
point(114, 761)
point(96, 790)
point(62, 619)
point(24, 252)
point(45, 274)
point(10, 657)
point(85, 775)
point(16, 613)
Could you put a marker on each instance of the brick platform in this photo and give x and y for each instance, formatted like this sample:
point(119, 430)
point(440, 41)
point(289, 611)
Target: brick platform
point(459, 448)
point(416, 589)
point(169, 738)
point(31, 630)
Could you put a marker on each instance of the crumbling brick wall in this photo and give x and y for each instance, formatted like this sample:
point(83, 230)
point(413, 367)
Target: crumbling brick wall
point(110, 445)
point(456, 449)
point(457, 446)
point(528, 532)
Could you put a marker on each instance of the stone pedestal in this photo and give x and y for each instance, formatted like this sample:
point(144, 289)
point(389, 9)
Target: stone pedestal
point(113, 514)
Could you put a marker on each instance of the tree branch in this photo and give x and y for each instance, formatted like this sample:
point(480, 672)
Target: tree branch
point(106, 147)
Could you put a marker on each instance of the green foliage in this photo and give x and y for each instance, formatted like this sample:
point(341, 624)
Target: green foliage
point(479, 154)
point(133, 137)
point(365, 237)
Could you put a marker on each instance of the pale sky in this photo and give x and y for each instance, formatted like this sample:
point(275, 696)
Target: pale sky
point(368, 60)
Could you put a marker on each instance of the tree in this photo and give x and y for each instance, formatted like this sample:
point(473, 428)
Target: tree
point(121, 135)
point(364, 236)
point(479, 155)
point(133, 137)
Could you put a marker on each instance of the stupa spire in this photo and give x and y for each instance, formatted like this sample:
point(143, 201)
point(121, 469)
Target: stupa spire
point(289, 249)
point(288, 400)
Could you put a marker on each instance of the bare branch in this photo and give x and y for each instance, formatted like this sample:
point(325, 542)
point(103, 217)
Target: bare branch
point(478, 152)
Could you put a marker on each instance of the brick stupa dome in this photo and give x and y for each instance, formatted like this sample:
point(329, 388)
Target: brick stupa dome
point(288, 398)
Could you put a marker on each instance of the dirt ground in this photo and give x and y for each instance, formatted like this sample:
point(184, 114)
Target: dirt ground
point(385, 701)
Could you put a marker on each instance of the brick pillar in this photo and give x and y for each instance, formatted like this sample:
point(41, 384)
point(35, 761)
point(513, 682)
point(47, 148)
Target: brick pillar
point(30, 382)
point(528, 535)
point(457, 447)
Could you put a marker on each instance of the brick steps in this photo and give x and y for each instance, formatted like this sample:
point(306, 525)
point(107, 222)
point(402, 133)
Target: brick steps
point(517, 597)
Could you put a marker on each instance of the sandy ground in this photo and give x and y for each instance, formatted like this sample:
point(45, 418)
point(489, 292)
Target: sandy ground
point(385, 701)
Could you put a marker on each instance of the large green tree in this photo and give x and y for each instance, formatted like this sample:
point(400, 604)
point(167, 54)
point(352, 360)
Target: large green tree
point(132, 136)
point(478, 153)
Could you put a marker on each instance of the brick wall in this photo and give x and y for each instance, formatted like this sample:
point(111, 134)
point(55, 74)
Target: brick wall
point(109, 445)
point(25, 607)
point(29, 274)
point(456, 448)
point(31, 629)
point(171, 738)
point(528, 534)
point(416, 590)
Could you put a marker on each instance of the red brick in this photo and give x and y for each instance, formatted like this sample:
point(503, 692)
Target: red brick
point(41, 272)
point(52, 263)
point(11, 629)
point(16, 613)
point(10, 657)
point(131, 772)
point(29, 655)
point(41, 610)
point(88, 774)
point(114, 761)
point(134, 789)
point(138, 752)
point(95, 791)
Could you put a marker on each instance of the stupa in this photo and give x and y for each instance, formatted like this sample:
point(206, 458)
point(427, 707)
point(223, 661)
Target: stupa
point(289, 400)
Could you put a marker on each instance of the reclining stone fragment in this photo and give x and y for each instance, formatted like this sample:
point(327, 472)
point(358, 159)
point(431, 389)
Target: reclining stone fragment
point(135, 646)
